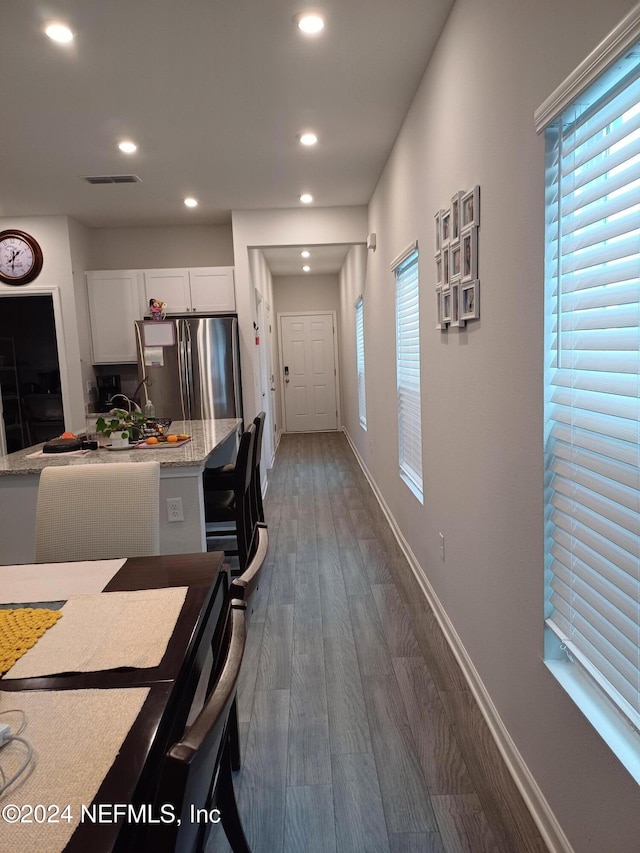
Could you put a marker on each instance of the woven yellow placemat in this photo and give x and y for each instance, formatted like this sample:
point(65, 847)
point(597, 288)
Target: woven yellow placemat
point(19, 631)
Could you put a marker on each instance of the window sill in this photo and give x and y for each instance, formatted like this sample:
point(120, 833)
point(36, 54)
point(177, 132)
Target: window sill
point(412, 486)
point(616, 731)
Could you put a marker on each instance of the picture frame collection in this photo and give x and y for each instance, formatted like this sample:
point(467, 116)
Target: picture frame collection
point(456, 257)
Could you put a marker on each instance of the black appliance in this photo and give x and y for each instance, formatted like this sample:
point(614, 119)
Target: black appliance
point(108, 385)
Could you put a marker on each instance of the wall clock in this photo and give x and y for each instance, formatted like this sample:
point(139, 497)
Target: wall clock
point(20, 257)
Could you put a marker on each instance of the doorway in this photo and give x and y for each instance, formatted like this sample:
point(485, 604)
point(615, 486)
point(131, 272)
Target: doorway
point(30, 387)
point(308, 361)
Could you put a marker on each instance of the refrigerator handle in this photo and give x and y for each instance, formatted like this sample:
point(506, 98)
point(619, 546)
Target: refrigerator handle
point(236, 368)
point(181, 366)
point(188, 368)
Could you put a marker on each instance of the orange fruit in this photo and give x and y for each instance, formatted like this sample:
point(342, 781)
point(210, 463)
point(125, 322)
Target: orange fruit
point(68, 435)
point(152, 440)
point(172, 438)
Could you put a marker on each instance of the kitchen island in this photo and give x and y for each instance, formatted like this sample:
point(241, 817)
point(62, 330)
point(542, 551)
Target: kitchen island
point(180, 477)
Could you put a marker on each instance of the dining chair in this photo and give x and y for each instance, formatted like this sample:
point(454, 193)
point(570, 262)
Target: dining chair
point(196, 771)
point(222, 477)
point(99, 511)
point(242, 586)
point(227, 512)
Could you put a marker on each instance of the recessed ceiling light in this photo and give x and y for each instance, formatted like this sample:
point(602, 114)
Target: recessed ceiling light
point(308, 139)
point(127, 147)
point(305, 254)
point(191, 202)
point(59, 33)
point(306, 198)
point(306, 268)
point(310, 23)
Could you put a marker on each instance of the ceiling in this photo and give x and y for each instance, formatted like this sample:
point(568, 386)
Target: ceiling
point(322, 260)
point(215, 94)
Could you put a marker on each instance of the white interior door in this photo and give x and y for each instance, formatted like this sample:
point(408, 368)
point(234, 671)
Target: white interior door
point(308, 372)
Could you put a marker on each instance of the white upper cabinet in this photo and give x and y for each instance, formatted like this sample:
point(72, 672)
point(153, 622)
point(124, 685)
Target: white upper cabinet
point(207, 290)
point(114, 306)
point(170, 287)
point(212, 289)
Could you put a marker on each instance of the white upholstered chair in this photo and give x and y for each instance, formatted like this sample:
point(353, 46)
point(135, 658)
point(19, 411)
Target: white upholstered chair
point(97, 512)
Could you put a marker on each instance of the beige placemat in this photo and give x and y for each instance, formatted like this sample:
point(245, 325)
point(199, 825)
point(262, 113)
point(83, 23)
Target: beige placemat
point(55, 581)
point(75, 736)
point(105, 631)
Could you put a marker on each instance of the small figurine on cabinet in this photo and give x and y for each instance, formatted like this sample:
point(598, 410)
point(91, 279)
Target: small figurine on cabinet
point(157, 309)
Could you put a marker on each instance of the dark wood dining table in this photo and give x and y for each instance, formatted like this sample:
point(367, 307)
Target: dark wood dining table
point(172, 685)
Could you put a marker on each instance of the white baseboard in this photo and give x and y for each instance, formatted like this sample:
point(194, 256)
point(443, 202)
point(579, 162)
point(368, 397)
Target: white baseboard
point(541, 812)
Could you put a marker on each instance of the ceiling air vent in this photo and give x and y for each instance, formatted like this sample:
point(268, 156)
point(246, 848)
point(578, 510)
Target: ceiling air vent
point(113, 179)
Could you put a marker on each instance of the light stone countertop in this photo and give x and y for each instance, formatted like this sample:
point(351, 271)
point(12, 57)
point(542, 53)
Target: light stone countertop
point(206, 436)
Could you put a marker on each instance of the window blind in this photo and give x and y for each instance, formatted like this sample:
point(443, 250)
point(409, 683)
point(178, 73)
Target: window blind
point(362, 399)
point(592, 383)
point(408, 372)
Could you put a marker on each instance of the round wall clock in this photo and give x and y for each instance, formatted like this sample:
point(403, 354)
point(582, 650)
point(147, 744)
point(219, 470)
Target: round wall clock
point(20, 257)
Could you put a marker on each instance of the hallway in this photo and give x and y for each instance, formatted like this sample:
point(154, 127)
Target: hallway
point(358, 730)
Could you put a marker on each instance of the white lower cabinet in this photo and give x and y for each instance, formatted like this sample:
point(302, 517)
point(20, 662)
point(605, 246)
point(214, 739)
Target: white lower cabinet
point(114, 306)
point(204, 290)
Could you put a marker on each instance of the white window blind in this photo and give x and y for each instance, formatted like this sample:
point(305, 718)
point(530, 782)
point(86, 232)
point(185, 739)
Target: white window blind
point(408, 372)
point(592, 383)
point(362, 398)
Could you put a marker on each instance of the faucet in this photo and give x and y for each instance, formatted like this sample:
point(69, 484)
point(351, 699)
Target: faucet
point(130, 403)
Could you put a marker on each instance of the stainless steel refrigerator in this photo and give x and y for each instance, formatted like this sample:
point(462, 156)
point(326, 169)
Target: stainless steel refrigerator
point(190, 367)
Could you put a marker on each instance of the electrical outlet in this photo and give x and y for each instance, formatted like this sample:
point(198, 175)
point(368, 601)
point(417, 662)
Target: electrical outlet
point(174, 509)
point(441, 537)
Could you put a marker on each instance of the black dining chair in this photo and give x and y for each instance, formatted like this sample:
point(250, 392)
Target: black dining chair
point(242, 586)
point(230, 509)
point(221, 478)
point(196, 771)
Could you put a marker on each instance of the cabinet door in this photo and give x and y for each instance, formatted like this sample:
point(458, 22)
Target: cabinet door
point(113, 308)
point(212, 289)
point(170, 287)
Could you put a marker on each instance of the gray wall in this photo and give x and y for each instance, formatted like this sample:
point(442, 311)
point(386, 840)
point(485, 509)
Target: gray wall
point(472, 123)
point(161, 247)
point(306, 293)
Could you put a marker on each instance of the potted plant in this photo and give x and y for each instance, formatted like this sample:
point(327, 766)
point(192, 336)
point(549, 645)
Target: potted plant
point(120, 426)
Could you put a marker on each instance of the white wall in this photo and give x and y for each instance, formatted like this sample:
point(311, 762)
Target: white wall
point(262, 228)
point(472, 122)
point(262, 283)
point(80, 249)
point(352, 286)
point(161, 247)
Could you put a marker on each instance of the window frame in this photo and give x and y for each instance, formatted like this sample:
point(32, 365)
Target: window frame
point(360, 364)
point(408, 369)
point(592, 82)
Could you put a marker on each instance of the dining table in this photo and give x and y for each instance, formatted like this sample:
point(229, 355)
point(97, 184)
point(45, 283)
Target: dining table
point(118, 816)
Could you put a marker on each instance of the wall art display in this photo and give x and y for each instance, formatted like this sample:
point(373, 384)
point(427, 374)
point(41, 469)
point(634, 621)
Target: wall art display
point(470, 209)
point(454, 262)
point(446, 227)
point(446, 306)
point(457, 242)
point(456, 209)
point(440, 324)
point(470, 300)
point(456, 319)
point(469, 254)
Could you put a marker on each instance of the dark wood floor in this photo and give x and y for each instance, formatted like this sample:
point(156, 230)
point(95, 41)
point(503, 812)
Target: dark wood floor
point(359, 732)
